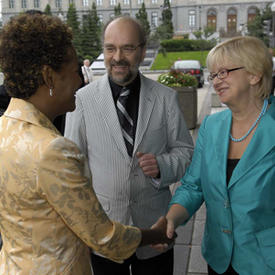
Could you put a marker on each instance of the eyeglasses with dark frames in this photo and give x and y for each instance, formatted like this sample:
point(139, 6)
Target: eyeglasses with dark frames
point(222, 74)
point(126, 50)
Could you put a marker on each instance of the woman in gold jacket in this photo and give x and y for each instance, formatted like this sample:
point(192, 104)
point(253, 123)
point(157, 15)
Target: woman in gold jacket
point(49, 214)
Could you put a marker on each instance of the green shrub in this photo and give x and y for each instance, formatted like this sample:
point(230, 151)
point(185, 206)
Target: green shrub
point(203, 45)
point(175, 78)
point(177, 45)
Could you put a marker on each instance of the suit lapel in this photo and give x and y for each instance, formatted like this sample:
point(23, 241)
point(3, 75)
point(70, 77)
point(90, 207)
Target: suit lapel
point(146, 103)
point(105, 102)
point(262, 142)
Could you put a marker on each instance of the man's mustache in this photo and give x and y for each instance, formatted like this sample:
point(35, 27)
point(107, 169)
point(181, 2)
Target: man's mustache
point(120, 63)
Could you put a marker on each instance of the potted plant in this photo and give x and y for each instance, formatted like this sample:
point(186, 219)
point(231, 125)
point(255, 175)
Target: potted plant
point(186, 86)
point(176, 78)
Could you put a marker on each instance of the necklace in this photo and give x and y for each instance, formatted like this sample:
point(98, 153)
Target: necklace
point(254, 124)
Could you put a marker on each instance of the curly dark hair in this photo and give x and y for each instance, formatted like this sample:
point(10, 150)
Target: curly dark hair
point(27, 43)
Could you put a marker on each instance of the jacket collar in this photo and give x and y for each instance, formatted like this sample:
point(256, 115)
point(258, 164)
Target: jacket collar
point(105, 103)
point(148, 95)
point(261, 143)
point(221, 141)
point(22, 110)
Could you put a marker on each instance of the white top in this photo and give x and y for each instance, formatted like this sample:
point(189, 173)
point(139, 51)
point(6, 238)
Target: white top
point(87, 73)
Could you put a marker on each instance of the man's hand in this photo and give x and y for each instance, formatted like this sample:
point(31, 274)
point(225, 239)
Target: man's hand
point(149, 165)
point(166, 228)
point(157, 234)
point(170, 234)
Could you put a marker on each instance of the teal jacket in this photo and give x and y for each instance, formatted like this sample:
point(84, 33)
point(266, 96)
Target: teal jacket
point(240, 223)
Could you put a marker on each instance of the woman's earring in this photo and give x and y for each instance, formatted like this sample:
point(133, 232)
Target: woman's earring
point(51, 92)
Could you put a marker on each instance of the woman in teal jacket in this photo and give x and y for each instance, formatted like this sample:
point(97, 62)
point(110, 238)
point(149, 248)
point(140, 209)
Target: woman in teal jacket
point(232, 170)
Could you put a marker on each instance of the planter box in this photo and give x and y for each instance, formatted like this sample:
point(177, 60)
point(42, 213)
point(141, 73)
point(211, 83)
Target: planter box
point(188, 102)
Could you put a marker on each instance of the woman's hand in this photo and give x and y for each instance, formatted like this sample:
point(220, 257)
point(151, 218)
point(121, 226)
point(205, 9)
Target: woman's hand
point(157, 234)
point(170, 234)
point(175, 216)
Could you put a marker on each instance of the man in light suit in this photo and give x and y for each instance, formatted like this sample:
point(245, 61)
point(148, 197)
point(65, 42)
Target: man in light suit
point(87, 72)
point(131, 172)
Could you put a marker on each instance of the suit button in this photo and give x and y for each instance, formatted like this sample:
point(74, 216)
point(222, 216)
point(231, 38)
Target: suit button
point(226, 204)
point(226, 231)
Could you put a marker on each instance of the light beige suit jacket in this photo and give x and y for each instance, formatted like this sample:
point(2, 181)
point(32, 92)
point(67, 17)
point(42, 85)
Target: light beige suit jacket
point(49, 213)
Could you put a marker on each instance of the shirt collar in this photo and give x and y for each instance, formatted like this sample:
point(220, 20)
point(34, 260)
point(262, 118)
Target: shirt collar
point(134, 86)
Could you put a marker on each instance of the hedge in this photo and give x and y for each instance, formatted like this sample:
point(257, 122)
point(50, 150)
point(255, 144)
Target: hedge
point(178, 45)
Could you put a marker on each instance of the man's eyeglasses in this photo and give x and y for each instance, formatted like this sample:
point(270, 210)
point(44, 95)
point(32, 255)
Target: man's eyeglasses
point(126, 50)
point(222, 74)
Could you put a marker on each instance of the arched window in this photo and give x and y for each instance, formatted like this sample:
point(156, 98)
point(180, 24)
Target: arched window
point(212, 19)
point(251, 14)
point(232, 20)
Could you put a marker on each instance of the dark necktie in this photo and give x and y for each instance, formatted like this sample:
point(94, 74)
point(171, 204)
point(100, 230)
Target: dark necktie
point(126, 122)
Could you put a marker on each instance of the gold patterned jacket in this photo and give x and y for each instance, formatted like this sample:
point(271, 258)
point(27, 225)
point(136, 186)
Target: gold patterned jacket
point(49, 213)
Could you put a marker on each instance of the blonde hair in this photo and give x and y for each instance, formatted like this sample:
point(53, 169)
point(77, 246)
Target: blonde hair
point(248, 52)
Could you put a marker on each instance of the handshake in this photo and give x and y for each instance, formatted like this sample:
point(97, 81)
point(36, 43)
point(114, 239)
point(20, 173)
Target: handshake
point(160, 235)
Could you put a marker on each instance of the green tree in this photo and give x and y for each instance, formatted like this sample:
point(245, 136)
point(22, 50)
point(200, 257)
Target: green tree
point(256, 26)
point(48, 10)
point(198, 34)
point(142, 17)
point(72, 21)
point(117, 10)
point(166, 29)
point(208, 31)
point(91, 35)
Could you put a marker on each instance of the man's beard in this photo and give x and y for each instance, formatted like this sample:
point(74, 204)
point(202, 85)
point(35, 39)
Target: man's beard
point(125, 79)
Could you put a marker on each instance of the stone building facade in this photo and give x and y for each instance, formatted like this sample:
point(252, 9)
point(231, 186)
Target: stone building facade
point(188, 15)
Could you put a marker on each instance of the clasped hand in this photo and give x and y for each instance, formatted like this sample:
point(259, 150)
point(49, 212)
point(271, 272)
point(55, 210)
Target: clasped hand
point(167, 234)
point(166, 226)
